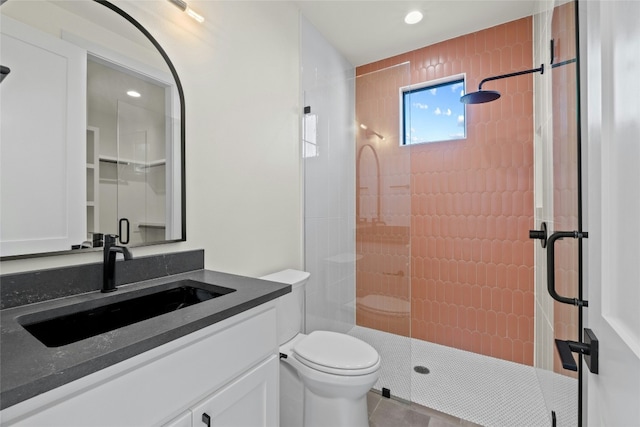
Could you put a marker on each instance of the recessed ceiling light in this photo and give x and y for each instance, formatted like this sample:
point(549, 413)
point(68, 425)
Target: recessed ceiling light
point(413, 17)
point(133, 94)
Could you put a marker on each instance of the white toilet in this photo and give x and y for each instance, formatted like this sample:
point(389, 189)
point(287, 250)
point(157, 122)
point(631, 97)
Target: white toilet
point(332, 371)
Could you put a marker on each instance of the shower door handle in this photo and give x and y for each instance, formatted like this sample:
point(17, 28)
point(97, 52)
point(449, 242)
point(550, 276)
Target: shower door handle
point(551, 275)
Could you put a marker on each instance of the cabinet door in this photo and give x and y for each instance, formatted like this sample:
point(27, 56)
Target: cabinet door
point(42, 142)
point(251, 400)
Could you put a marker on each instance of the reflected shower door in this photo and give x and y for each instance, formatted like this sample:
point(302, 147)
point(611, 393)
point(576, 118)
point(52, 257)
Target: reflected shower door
point(136, 159)
point(141, 190)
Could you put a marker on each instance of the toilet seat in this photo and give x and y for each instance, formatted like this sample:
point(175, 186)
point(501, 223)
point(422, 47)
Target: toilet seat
point(336, 353)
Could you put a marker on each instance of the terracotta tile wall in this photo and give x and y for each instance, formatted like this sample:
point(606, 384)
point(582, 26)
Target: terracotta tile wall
point(565, 176)
point(468, 203)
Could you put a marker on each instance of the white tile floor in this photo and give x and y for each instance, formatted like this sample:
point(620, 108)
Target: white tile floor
point(472, 387)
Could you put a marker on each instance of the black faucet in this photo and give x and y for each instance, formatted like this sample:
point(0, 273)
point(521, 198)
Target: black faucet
point(109, 266)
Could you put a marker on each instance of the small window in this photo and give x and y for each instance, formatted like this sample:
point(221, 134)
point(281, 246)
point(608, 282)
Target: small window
point(433, 112)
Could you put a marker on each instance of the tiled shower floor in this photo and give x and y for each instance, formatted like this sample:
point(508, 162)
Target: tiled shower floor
point(472, 387)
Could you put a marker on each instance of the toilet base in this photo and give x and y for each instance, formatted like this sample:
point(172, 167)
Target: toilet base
point(291, 397)
point(300, 406)
point(320, 411)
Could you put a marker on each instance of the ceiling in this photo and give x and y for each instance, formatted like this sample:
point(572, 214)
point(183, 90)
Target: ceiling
point(365, 31)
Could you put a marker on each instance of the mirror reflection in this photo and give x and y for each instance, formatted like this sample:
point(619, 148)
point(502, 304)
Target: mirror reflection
point(91, 128)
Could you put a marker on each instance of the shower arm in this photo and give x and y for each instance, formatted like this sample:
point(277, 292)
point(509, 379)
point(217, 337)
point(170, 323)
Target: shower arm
point(518, 73)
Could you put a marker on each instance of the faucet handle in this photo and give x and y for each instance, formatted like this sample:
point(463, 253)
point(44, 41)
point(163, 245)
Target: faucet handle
point(110, 239)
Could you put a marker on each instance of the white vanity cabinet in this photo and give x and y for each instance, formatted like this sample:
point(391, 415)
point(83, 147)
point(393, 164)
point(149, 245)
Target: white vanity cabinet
point(228, 370)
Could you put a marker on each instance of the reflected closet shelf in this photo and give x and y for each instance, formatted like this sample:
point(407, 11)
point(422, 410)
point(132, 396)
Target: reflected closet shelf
point(123, 161)
point(152, 225)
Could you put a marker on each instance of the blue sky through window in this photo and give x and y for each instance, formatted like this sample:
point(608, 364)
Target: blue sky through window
point(434, 113)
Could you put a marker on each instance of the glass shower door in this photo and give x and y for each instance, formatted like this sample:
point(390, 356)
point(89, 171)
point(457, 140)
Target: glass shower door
point(328, 152)
point(383, 221)
point(356, 203)
point(561, 211)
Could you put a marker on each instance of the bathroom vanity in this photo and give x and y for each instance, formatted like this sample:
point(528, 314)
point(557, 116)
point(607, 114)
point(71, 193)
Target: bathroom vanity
point(209, 363)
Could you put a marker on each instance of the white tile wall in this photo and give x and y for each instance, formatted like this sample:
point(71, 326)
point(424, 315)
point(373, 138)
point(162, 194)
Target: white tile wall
point(328, 86)
point(543, 141)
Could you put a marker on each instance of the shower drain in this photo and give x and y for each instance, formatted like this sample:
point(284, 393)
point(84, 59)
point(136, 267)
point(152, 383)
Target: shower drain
point(421, 369)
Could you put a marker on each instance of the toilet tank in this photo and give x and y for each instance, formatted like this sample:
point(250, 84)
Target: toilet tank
point(289, 307)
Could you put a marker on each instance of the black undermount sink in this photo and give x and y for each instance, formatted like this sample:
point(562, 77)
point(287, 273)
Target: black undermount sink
point(88, 320)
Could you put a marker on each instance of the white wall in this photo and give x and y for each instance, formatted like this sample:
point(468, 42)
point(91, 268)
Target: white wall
point(610, 42)
point(240, 73)
point(329, 89)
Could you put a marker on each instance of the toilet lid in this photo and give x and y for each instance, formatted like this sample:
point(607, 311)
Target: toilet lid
point(337, 353)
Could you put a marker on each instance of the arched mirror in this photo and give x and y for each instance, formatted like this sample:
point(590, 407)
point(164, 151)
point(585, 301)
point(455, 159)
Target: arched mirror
point(92, 143)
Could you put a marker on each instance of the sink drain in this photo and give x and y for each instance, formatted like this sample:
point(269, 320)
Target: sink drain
point(421, 369)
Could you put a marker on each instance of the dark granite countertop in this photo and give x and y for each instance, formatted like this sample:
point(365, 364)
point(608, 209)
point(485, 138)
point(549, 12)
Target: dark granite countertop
point(30, 368)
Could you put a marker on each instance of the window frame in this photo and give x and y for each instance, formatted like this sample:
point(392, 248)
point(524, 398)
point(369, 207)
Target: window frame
point(427, 85)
